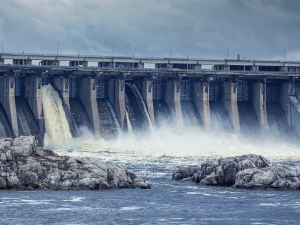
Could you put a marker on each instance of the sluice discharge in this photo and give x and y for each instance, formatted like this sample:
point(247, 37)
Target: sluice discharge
point(136, 110)
point(57, 133)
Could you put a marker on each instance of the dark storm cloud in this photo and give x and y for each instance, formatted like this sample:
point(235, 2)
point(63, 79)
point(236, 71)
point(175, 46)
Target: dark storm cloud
point(259, 29)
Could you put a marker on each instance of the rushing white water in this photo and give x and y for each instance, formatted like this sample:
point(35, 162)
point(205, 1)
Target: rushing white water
point(139, 96)
point(183, 146)
point(57, 133)
point(129, 127)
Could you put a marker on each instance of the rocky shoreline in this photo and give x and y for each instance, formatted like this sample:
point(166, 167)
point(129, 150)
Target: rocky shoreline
point(246, 172)
point(23, 165)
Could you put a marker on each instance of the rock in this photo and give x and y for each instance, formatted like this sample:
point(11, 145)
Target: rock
point(44, 152)
point(273, 177)
point(185, 172)
point(140, 183)
point(246, 171)
point(25, 166)
point(3, 183)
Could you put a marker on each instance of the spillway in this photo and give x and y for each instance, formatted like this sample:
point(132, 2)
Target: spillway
point(190, 115)
point(137, 113)
point(220, 121)
point(26, 121)
point(278, 123)
point(249, 124)
point(57, 133)
point(80, 116)
point(109, 124)
point(5, 127)
point(162, 113)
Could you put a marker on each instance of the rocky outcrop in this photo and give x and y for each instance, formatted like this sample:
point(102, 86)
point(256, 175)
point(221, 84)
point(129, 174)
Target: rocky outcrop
point(247, 171)
point(25, 166)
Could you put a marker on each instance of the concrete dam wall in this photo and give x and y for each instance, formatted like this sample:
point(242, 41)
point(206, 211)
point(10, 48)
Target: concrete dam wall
point(107, 106)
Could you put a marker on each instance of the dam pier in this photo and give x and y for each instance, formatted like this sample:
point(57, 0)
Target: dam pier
point(121, 94)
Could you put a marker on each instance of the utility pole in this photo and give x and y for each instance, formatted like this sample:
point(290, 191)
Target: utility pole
point(57, 48)
point(170, 51)
point(2, 47)
point(113, 50)
point(227, 53)
point(244, 65)
point(187, 63)
point(283, 55)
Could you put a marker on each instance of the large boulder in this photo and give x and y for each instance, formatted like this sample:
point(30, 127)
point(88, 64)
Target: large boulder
point(246, 171)
point(25, 166)
point(273, 177)
point(221, 172)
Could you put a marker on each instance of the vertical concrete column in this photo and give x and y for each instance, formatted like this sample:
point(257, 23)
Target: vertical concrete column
point(255, 68)
point(7, 99)
point(119, 101)
point(260, 106)
point(172, 98)
point(229, 99)
point(201, 101)
point(111, 91)
point(286, 90)
point(50, 63)
point(81, 63)
point(148, 98)
point(33, 96)
point(63, 91)
point(22, 61)
point(88, 97)
point(140, 65)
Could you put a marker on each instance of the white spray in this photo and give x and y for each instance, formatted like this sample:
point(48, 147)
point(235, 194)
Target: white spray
point(139, 96)
point(57, 133)
point(129, 127)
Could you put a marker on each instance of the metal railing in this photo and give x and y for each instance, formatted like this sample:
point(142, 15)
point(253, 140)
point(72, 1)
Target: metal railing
point(7, 55)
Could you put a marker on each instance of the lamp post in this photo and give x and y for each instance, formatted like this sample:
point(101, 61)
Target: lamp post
point(170, 51)
point(2, 47)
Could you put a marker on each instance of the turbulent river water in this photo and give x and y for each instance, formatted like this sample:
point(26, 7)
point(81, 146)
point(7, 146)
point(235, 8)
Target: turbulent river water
point(154, 156)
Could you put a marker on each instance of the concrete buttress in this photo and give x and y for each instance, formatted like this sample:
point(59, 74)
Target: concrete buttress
point(148, 98)
point(111, 91)
point(7, 99)
point(88, 97)
point(229, 99)
point(33, 95)
point(260, 106)
point(201, 101)
point(286, 89)
point(172, 98)
point(119, 100)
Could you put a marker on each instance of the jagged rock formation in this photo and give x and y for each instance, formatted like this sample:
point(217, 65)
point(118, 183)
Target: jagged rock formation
point(246, 171)
point(25, 166)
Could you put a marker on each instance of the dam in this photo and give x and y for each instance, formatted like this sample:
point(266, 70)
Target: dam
point(245, 97)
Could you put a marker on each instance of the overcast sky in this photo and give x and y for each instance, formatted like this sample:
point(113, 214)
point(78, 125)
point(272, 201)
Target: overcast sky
point(255, 29)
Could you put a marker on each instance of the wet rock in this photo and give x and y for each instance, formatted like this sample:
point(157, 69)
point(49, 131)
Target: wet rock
point(273, 177)
point(246, 171)
point(3, 183)
point(25, 166)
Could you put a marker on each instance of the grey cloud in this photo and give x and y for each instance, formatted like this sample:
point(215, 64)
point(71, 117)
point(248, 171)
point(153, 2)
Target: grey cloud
point(258, 29)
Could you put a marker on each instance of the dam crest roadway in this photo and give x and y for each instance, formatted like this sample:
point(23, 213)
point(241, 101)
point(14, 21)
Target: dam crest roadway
point(246, 97)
